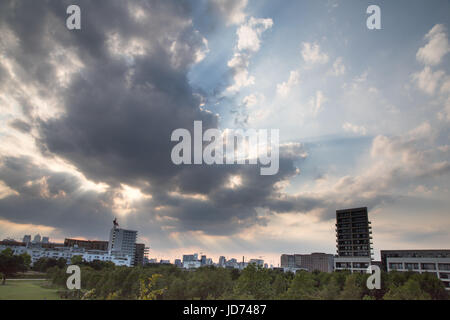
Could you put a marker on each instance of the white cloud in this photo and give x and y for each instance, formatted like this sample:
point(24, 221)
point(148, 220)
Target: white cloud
point(436, 48)
point(317, 102)
point(249, 34)
point(349, 127)
point(233, 10)
point(311, 53)
point(239, 66)
point(422, 131)
point(427, 80)
point(338, 68)
point(284, 88)
point(445, 113)
point(445, 88)
point(253, 99)
point(248, 42)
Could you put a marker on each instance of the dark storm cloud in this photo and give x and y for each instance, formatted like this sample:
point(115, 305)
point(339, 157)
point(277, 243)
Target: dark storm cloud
point(119, 113)
point(52, 199)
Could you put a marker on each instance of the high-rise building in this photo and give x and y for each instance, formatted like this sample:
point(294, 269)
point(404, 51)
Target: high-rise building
point(26, 238)
point(45, 240)
point(354, 240)
point(140, 253)
point(122, 241)
point(222, 261)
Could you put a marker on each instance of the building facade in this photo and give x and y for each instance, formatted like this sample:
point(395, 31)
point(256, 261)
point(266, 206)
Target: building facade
point(122, 241)
point(353, 240)
point(87, 244)
point(311, 262)
point(140, 254)
point(432, 261)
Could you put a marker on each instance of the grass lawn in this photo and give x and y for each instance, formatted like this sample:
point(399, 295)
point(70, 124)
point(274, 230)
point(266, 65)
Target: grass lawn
point(27, 290)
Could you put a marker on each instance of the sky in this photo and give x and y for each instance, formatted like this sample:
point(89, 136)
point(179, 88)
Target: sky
point(86, 118)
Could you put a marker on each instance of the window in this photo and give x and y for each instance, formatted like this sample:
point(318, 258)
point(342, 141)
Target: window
point(360, 265)
point(342, 265)
point(395, 266)
point(444, 266)
point(411, 266)
point(428, 266)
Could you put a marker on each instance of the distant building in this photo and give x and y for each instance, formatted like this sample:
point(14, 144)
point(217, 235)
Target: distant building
point(87, 244)
point(45, 240)
point(258, 262)
point(288, 261)
point(26, 238)
point(140, 253)
point(433, 261)
point(38, 252)
point(190, 257)
point(178, 263)
point(122, 241)
point(354, 240)
point(37, 238)
point(190, 261)
point(315, 261)
point(222, 261)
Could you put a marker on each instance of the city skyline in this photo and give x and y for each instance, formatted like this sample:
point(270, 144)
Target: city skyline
point(86, 118)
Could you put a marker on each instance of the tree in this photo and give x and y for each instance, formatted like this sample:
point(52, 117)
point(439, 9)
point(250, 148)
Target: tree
point(10, 264)
point(254, 281)
point(280, 285)
point(26, 260)
point(353, 288)
point(303, 286)
point(76, 260)
point(147, 289)
point(209, 282)
point(430, 284)
point(331, 290)
point(409, 291)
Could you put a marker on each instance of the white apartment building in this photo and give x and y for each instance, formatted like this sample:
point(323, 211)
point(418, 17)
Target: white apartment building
point(353, 264)
point(36, 253)
point(432, 261)
point(122, 241)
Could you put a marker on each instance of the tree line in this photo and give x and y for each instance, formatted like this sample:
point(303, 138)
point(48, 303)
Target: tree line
point(103, 280)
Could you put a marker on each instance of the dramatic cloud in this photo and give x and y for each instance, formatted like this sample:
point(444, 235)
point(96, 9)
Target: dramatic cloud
point(119, 88)
point(86, 118)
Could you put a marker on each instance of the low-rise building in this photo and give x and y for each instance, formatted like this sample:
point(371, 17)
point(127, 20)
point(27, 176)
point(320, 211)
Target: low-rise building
point(315, 261)
point(432, 261)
